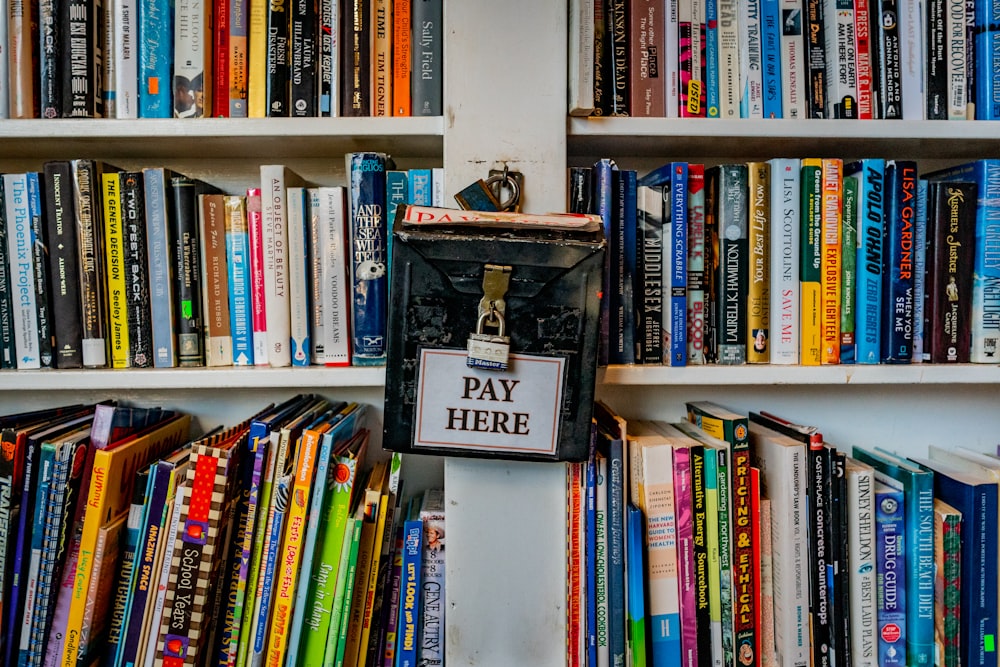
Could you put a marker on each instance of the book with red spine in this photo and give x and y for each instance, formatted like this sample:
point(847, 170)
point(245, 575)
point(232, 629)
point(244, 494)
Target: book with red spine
point(221, 58)
point(255, 233)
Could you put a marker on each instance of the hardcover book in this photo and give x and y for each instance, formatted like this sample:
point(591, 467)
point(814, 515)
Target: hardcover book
point(159, 205)
point(368, 229)
point(898, 261)
point(136, 263)
point(64, 296)
point(730, 220)
point(947, 582)
point(215, 288)
point(784, 251)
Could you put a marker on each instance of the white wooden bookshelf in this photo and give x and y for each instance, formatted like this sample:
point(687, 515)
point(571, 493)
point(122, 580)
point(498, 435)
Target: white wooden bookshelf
point(505, 102)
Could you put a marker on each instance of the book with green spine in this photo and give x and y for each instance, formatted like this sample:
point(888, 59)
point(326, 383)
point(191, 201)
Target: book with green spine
point(336, 644)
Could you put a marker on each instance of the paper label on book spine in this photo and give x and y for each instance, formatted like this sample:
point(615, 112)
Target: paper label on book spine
point(466, 408)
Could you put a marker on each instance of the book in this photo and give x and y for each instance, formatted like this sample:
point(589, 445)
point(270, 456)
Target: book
point(278, 22)
point(136, 263)
point(300, 301)
point(426, 88)
point(841, 62)
point(22, 270)
point(355, 62)
point(255, 242)
point(647, 93)
point(409, 608)
point(115, 264)
point(156, 58)
point(733, 265)
point(869, 175)
point(861, 561)
point(897, 261)
point(432, 577)
point(238, 267)
point(784, 253)
point(303, 58)
point(215, 289)
point(810, 263)
point(831, 264)
point(367, 229)
point(697, 303)
point(237, 93)
point(947, 582)
point(920, 346)
point(759, 273)
point(79, 24)
point(192, 74)
point(611, 442)
point(650, 207)
point(675, 214)
point(158, 204)
point(331, 275)
point(891, 581)
point(63, 258)
point(814, 28)
point(125, 55)
point(39, 252)
point(96, 619)
point(402, 56)
point(635, 574)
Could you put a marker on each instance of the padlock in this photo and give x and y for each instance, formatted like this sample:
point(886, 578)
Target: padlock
point(488, 351)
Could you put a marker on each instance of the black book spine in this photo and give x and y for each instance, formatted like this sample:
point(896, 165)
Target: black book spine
point(650, 208)
point(711, 255)
point(89, 217)
point(937, 66)
point(890, 69)
point(278, 26)
point(140, 326)
point(699, 511)
point(64, 266)
point(580, 190)
point(40, 257)
point(602, 60)
point(815, 30)
point(326, 77)
point(842, 575)
point(187, 271)
point(303, 57)
point(619, 340)
point(355, 58)
point(951, 232)
point(80, 57)
point(734, 265)
point(618, 25)
point(49, 89)
point(819, 599)
point(8, 351)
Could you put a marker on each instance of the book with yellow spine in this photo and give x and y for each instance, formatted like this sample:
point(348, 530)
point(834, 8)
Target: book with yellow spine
point(831, 259)
point(117, 285)
point(759, 236)
point(810, 347)
point(257, 57)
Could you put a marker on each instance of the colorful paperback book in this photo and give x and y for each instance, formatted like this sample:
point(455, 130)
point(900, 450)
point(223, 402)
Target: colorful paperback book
point(21, 265)
point(697, 303)
point(156, 58)
point(733, 262)
point(409, 608)
point(784, 251)
point(759, 273)
point(258, 297)
point(433, 617)
point(649, 320)
point(848, 262)
point(238, 265)
point(810, 263)
point(890, 552)
point(898, 261)
point(831, 265)
point(869, 175)
point(675, 268)
point(635, 576)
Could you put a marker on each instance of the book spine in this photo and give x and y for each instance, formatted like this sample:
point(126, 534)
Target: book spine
point(187, 278)
point(840, 593)
point(278, 59)
point(913, 100)
point(986, 277)
point(841, 63)
point(126, 58)
point(8, 347)
point(118, 330)
point(647, 89)
point(863, 59)
point(897, 277)
point(937, 67)
point(951, 238)
point(238, 266)
point(351, 581)
point(861, 558)
point(619, 337)
point(675, 321)
point(890, 95)
point(355, 62)
point(368, 231)
point(617, 12)
point(810, 261)
point(712, 199)
point(22, 270)
point(328, 63)
point(381, 18)
point(830, 264)
point(849, 270)
point(191, 90)
point(733, 265)
point(616, 552)
point(80, 23)
point(64, 263)
point(300, 301)
point(19, 53)
point(770, 20)
point(90, 243)
point(662, 572)
point(215, 288)
point(136, 264)
point(426, 79)
point(696, 93)
point(388, 657)
point(219, 59)
point(402, 57)
point(238, 56)
point(987, 59)
point(26, 550)
point(156, 58)
point(759, 274)
point(819, 556)
point(336, 279)
point(766, 651)
point(49, 35)
point(697, 304)
point(793, 72)
point(948, 580)
point(699, 522)
point(713, 514)
point(650, 220)
point(712, 97)
point(921, 277)
point(161, 287)
point(957, 66)
point(303, 55)
point(684, 517)
point(729, 59)
point(257, 56)
point(784, 250)
point(871, 225)
point(39, 253)
point(751, 75)
point(815, 52)
point(432, 577)
point(891, 581)
point(318, 242)
point(409, 611)
point(277, 301)
point(255, 244)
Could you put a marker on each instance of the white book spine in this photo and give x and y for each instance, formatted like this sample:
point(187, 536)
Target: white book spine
point(841, 60)
point(298, 282)
point(671, 59)
point(861, 560)
point(190, 53)
point(729, 60)
point(22, 271)
point(750, 60)
point(126, 57)
point(109, 66)
point(785, 234)
point(336, 278)
point(911, 59)
point(318, 241)
point(661, 541)
point(956, 59)
point(581, 57)
point(437, 186)
point(276, 288)
point(793, 90)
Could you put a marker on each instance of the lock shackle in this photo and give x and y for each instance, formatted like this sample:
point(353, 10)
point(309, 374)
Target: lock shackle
point(485, 317)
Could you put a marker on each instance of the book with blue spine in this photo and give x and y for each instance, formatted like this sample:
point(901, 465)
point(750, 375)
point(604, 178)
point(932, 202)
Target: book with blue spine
point(712, 58)
point(630, 268)
point(674, 324)
point(368, 230)
point(156, 181)
point(986, 265)
point(122, 593)
point(420, 187)
point(898, 261)
point(300, 306)
point(771, 24)
point(39, 252)
point(918, 486)
point(890, 553)
point(987, 61)
point(621, 349)
point(397, 192)
point(921, 345)
point(591, 558)
point(603, 200)
point(156, 58)
point(409, 607)
point(611, 444)
point(870, 174)
point(20, 264)
point(238, 264)
point(635, 574)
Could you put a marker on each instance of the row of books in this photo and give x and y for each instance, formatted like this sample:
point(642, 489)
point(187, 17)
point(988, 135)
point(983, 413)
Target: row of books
point(745, 539)
point(101, 267)
point(270, 541)
point(910, 59)
point(222, 58)
point(797, 261)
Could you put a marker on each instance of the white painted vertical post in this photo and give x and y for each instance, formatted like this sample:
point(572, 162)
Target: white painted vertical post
point(505, 102)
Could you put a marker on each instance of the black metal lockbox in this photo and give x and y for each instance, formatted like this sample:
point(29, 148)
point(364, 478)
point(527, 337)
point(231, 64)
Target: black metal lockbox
point(543, 283)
